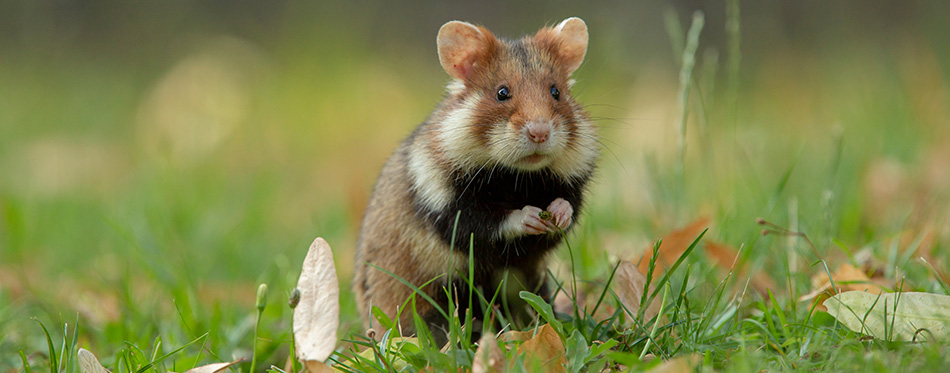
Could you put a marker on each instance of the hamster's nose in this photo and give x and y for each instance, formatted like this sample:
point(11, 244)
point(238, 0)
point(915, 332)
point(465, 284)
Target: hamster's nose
point(538, 132)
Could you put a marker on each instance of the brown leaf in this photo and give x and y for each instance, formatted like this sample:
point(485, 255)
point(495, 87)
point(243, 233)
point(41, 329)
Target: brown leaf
point(673, 245)
point(545, 348)
point(586, 301)
point(317, 316)
point(516, 336)
point(213, 368)
point(488, 356)
point(628, 284)
point(88, 363)
point(726, 257)
point(313, 366)
point(683, 363)
point(846, 278)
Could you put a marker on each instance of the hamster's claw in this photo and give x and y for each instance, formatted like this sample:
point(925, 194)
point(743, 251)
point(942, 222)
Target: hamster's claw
point(563, 213)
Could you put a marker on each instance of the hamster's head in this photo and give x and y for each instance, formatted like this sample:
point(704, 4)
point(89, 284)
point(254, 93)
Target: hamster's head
point(510, 101)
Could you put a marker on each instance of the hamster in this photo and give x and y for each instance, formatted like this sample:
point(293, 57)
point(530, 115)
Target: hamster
point(507, 142)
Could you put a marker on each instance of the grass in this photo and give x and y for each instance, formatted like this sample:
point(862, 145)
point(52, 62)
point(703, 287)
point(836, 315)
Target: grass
point(148, 249)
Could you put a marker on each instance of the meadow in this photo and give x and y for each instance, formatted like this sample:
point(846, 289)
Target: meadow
point(159, 163)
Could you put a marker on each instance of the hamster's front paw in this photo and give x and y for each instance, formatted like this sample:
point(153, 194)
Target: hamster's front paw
point(563, 213)
point(524, 222)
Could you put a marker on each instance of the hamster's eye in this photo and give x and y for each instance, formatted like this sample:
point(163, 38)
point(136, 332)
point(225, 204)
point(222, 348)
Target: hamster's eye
point(555, 93)
point(503, 93)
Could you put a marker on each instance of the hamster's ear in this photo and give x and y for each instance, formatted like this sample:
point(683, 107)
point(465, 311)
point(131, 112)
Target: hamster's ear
point(567, 40)
point(463, 47)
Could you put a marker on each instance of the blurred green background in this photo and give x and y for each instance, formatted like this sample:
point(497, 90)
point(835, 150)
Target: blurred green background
point(158, 159)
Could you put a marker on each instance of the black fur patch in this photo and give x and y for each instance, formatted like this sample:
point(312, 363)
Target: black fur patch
point(483, 200)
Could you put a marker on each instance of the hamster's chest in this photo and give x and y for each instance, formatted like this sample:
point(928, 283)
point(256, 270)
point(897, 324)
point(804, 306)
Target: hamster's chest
point(507, 189)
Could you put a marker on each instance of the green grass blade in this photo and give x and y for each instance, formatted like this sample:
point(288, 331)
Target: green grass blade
point(666, 276)
point(606, 287)
point(163, 357)
point(73, 343)
point(63, 360)
point(686, 77)
point(471, 281)
point(651, 268)
point(543, 309)
point(674, 30)
point(26, 363)
point(415, 289)
point(53, 364)
point(382, 318)
point(733, 42)
point(783, 324)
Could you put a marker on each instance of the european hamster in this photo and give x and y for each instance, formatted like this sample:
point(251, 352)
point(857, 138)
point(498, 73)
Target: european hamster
point(507, 142)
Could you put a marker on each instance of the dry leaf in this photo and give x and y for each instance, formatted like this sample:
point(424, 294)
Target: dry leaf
point(564, 303)
point(516, 336)
point(488, 356)
point(88, 363)
point(317, 316)
point(893, 316)
point(546, 348)
point(313, 366)
point(628, 284)
point(723, 255)
point(683, 363)
point(726, 257)
point(846, 278)
point(213, 368)
point(673, 245)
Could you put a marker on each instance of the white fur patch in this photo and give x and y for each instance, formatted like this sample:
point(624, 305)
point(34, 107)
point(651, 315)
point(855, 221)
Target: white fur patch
point(510, 149)
point(513, 226)
point(455, 87)
point(429, 182)
point(458, 142)
point(577, 157)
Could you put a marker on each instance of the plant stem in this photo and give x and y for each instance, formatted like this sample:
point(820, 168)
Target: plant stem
point(646, 347)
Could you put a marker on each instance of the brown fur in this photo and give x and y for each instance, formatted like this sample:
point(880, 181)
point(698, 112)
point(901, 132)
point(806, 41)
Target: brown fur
point(394, 236)
point(398, 241)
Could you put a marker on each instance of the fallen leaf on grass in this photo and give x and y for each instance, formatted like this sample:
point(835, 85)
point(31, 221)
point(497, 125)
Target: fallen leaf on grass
point(673, 245)
point(88, 363)
point(213, 368)
point(317, 316)
point(723, 255)
point(628, 284)
point(846, 278)
point(684, 363)
point(726, 257)
point(545, 348)
point(893, 316)
point(516, 336)
point(488, 356)
point(564, 303)
point(313, 366)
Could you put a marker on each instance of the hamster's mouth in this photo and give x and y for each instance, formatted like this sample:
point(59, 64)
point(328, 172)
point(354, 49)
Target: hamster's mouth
point(533, 159)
